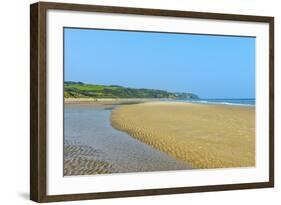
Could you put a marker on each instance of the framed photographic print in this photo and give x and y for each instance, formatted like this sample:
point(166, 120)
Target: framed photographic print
point(133, 102)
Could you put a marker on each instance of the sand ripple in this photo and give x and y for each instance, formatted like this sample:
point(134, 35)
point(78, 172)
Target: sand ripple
point(205, 136)
point(83, 160)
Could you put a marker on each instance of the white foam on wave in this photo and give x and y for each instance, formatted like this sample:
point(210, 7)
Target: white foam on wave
point(220, 103)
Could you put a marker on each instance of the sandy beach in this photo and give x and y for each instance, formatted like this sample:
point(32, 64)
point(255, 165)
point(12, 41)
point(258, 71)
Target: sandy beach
point(205, 136)
point(106, 101)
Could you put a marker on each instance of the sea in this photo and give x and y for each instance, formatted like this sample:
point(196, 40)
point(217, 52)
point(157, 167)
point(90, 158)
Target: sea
point(227, 101)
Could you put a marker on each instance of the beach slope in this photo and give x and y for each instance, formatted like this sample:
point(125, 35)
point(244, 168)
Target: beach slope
point(205, 136)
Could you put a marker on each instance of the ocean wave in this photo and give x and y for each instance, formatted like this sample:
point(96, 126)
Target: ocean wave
point(221, 103)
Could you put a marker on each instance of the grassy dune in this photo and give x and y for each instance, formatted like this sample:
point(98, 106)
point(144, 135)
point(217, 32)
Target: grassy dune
point(205, 136)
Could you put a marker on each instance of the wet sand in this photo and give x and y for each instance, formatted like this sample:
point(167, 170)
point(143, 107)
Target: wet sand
point(205, 136)
point(84, 160)
point(93, 146)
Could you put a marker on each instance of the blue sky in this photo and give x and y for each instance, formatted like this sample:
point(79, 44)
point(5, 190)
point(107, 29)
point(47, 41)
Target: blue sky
point(209, 66)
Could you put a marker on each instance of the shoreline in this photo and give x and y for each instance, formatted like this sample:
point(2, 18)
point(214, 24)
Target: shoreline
point(124, 101)
point(107, 101)
point(203, 135)
point(93, 146)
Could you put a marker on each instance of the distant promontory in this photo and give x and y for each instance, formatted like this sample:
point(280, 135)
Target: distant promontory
point(82, 90)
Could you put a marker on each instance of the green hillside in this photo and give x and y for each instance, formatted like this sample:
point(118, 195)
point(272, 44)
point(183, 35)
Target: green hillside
point(81, 90)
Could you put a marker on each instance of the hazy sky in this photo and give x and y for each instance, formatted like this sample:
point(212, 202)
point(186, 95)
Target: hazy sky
point(209, 66)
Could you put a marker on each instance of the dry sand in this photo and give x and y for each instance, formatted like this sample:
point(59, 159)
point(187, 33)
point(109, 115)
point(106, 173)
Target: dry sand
point(205, 136)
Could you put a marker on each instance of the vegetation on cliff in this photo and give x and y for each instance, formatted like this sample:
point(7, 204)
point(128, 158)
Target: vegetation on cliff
point(82, 90)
